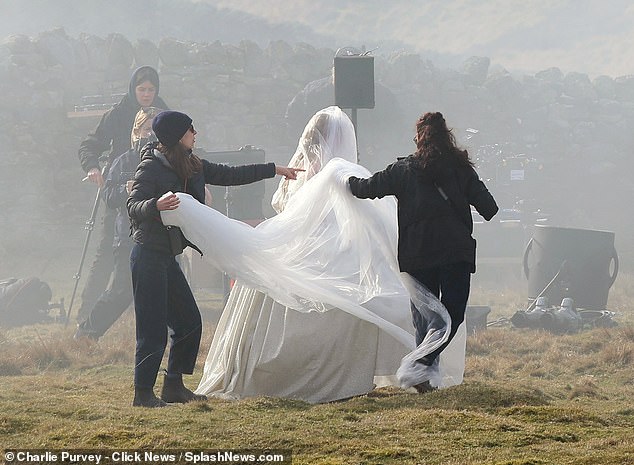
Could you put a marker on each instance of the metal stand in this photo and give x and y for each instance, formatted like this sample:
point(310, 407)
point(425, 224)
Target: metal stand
point(226, 281)
point(90, 225)
point(353, 118)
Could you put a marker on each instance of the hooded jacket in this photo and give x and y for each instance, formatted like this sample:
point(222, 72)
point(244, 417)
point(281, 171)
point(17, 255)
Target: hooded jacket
point(432, 231)
point(113, 131)
point(155, 177)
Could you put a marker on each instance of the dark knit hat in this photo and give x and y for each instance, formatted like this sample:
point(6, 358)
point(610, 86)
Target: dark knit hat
point(170, 126)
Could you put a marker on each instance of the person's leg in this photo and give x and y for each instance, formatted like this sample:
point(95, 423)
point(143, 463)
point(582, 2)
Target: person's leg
point(149, 284)
point(112, 303)
point(430, 278)
point(98, 276)
point(455, 284)
point(185, 324)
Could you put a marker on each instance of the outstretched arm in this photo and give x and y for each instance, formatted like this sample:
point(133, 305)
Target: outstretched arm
point(379, 185)
point(288, 173)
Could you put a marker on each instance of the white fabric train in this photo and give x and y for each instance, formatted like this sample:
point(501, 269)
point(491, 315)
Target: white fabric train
point(328, 249)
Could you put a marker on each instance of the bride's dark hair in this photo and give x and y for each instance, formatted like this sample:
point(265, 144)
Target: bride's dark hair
point(184, 162)
point(435, 140)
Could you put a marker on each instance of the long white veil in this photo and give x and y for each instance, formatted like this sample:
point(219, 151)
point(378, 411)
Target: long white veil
point(329, 134)
point(327, 249)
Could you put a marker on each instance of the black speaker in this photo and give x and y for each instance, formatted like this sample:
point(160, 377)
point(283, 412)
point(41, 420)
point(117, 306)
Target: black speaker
point(354, 81)
point(238, 202)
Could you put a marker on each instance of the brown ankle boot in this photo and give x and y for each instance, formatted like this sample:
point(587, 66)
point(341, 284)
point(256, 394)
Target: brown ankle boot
point(144, 397)
point(424, 387)
point(174, 391)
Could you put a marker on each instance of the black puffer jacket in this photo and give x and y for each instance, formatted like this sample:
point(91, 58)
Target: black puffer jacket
point(431, 231)
point(155, 176)
point(113, 131)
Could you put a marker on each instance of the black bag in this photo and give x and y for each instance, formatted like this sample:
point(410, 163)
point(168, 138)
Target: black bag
point(23, 301)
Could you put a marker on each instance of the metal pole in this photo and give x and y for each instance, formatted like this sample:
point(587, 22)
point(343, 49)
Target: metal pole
point(226, 281)
point(353, 118)
point(90, 224)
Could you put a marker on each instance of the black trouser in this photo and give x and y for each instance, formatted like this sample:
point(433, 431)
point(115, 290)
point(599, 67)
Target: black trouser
point(451, 283)
point(163, 301)
point(101, 267)
point(115, 300)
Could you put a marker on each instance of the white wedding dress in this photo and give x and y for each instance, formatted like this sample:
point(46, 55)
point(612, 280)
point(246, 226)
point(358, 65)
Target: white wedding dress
point(319, 311)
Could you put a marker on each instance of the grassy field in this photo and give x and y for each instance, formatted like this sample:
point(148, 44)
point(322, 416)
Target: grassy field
point(529, 397)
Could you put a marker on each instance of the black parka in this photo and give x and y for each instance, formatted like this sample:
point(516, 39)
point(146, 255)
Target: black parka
point(432, 231)
point(155, 177)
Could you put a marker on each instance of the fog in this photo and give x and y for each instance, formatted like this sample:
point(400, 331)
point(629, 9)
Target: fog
point(587, 36)
point(538, 92)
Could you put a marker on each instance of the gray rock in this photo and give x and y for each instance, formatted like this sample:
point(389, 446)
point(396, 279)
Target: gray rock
point(550, 75)
point(605, 87)
point(504, 87)
point(146, 53)
point(96, 50)
point(174, 53)
point(578, 86)
point(57, 48)
point(212, 54)
point(307, 64)
point(235, 57)
point(403, 69)
point(256, 61)
point(120, 53)
point(624, 86)
point(476, 70)
point(82, 60)
point(19, 44)
point(279, 51)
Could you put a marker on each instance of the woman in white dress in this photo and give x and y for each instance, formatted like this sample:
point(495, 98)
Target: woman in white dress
point(319, 311)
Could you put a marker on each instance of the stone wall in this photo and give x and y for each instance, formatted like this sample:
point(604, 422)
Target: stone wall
point(573, 130)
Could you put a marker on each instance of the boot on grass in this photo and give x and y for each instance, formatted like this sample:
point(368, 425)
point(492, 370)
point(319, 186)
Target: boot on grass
point(144, 397)
point(424, 387)
point(175, 392)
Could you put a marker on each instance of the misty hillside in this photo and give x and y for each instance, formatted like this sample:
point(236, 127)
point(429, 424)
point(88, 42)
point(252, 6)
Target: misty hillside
point(588, 36)
point(146, 19)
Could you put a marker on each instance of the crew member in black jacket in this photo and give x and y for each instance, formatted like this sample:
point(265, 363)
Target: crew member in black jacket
point(435, 188)
point(163, 300)
point(117, 298)
point(112, 135)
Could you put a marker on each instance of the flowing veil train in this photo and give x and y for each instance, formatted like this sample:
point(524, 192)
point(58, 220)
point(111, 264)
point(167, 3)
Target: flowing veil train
point(320, 310)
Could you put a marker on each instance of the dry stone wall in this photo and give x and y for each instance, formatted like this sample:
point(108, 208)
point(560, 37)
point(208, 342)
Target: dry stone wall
point(577, 128)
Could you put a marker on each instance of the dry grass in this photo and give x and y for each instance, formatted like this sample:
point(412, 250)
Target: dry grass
point(529, 397)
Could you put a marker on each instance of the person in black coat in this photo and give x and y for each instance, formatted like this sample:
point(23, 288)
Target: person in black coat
point(163, 300)
point(435, 188)
point(117, 298)
point(112, 135)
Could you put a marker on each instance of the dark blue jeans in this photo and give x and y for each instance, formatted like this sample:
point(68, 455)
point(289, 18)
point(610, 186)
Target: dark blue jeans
point(451, 283)
point(163, 304)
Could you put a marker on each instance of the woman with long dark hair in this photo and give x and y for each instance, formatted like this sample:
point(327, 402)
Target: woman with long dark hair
point(163, 301)
point(435, 188)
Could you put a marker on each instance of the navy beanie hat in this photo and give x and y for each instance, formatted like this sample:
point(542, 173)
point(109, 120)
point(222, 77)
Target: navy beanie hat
point(170, 126)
